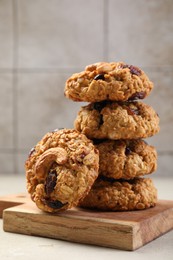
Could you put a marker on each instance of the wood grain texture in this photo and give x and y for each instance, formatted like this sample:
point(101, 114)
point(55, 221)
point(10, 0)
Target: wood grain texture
point(123, 230)
point(12, 200)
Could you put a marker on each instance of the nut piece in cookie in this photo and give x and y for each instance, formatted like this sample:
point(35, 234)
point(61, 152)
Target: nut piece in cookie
point(115, 81)
point(121, 195)
point(61, 169)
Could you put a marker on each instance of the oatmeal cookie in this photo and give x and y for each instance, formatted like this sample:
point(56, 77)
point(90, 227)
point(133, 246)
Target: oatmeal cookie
point(126, 158)
point(114, 81)
point(61, 169)
point(117, 120)
point(112, 195)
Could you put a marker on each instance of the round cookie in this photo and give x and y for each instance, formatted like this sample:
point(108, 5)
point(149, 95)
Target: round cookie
point(126, 158)
point(117, 120)
point(112, 195)
point(114, 81)
point(61, 169)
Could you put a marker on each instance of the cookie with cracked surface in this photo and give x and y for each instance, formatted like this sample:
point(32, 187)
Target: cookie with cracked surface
point(126, 158)
point(121, 195)
point(61, 169)
point(114, 81)
point(117, 120)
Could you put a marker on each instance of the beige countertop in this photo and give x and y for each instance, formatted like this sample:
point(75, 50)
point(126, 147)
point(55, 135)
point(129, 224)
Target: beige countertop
point(15, 246)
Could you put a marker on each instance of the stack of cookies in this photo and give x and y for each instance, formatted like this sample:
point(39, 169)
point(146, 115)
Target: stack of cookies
point(101, 163)
point(116, 122)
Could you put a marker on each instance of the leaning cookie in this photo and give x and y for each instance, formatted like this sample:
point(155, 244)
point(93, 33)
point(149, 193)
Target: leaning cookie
point(113, 195)
point(126, 158)
point(117, 120)
point(61, 169)
point(114, 81)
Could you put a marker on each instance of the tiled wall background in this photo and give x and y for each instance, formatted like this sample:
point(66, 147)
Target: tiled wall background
point(43, 42)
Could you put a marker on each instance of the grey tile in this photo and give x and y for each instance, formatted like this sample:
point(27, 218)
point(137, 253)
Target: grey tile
point(6, 163)
point(140, 32)
point(42, 106)
point(161, 99)
point(6, 34)
point(164, 168)
point(21, 158)
point(6, 111)
point(58, 34)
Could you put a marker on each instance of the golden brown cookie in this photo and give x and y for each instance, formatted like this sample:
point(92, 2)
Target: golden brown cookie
point(114, 81)
point(61, 169)
point(117, 120)
point(126, 158)
point(121, 195)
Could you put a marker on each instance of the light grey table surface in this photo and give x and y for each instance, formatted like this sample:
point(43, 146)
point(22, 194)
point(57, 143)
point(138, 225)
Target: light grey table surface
point(16, 247)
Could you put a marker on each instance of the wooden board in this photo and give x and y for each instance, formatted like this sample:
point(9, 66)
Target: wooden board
point(13, 200)
point(122, 230)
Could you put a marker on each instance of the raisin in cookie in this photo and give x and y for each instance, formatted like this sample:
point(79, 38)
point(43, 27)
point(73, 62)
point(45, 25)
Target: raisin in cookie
point(117, 120)
point(114, 81)
point(61, 169)
point(126, 158)
point(113, 195)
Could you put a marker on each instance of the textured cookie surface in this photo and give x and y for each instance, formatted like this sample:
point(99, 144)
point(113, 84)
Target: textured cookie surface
point(61, 169)
point(114, 81)
point(112, 195)
point(117, 120)
point(126, 158)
